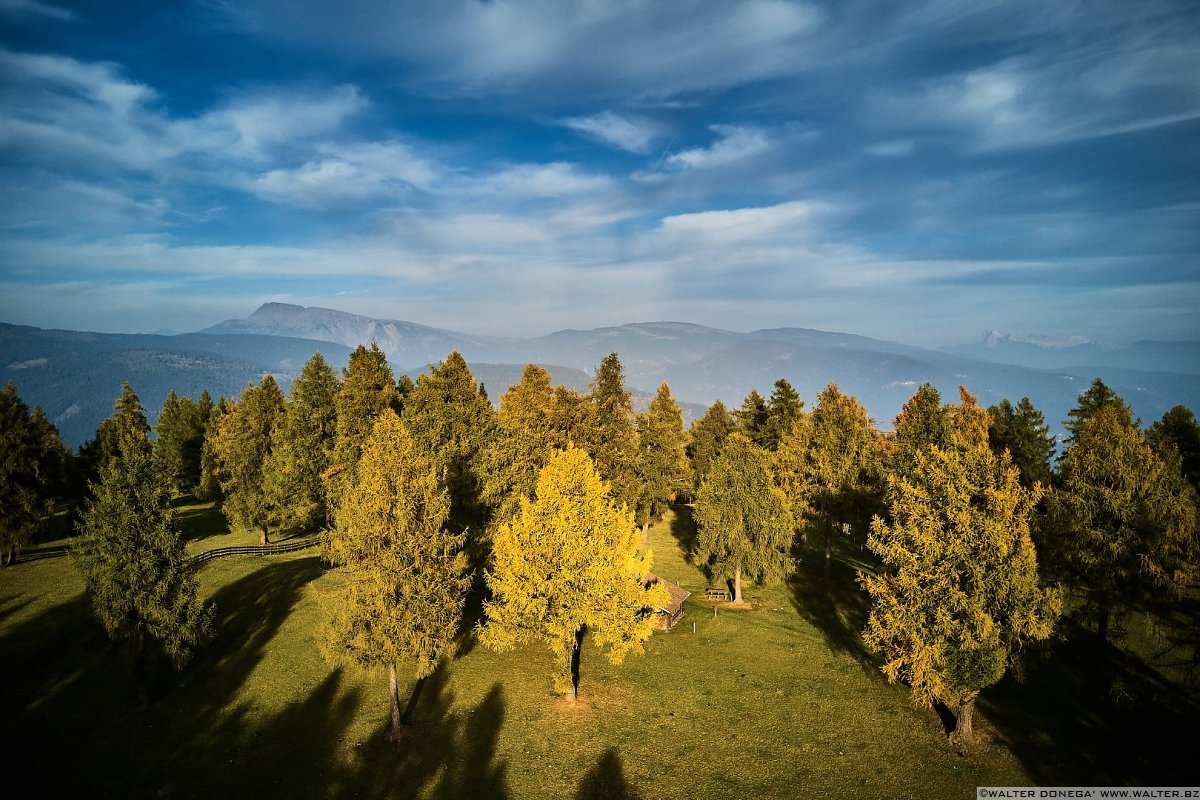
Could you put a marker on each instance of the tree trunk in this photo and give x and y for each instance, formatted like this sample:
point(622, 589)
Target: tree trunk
point(139, 666)
point(575, 654)
point(737, 585)
point(394, 700)
point(264, 540)
point(646, 532)
point(963, 727)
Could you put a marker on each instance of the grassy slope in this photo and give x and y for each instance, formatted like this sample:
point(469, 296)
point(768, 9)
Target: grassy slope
point(775, 701)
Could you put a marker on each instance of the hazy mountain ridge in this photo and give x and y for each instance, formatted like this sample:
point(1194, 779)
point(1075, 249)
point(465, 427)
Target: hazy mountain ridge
point(1078, 352)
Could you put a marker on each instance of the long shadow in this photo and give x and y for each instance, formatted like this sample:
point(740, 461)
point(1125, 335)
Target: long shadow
point(606, 781)
point(836, 606)
point(683, 528)
point(1073, 721)
point(199, 524)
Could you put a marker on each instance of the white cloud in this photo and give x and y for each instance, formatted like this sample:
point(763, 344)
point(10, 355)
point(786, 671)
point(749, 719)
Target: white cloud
point(556, 179)
point(735, 144)
point(32, 8)
point(635, 134)
point(896, 148)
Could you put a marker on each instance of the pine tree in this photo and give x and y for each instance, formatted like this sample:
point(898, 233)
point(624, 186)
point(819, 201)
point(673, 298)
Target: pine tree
point(407, 574)
point(959, 593)
point(1121, 519)
point(615, 449)
point(663, 466)
point(302, 449)
point(1024, 433)
point(1178, 430)
point(706, 437)
point(844, 478)
point(752, 417)
point(783, 408)
point(568, 564)
point(32, 462)
point(1096, 397)
point(178, 430)
point(921, 423)
point(451, 423)
point(367, 389)
point(135, 565)
point(745, 521)
point(242, 446)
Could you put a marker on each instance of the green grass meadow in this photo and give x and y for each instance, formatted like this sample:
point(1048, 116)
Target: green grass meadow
point(776, 700)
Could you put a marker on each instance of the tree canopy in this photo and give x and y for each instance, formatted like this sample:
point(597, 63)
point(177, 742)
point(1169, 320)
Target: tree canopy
point(1022, 431)
point(959, 593)
point(242, 445)
point(567, 564)
point(32, 460)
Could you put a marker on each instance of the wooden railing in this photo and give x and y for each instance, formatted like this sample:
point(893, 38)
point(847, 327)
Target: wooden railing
point(290, 546)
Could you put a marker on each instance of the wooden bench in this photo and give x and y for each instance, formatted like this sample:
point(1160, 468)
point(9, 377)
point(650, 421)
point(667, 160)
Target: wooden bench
point(713, 593)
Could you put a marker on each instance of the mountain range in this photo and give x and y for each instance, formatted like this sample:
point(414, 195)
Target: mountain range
point(75, 376)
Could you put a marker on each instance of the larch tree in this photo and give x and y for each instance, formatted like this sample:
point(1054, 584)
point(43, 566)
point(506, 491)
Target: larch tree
point(368, 388)
point(301, 449)
point(744, 520)
point(451, 423)
point(242, 446)
point(178, 431)
point(784, 406)
point(1022, 431)
point(1097, 396)
point(525, 435)
point(31, 470)
point(134, 562)
point(706, 437)
point(921, 423)
point(1121, 519)
point(614, 451)
point(845, 471)
point(752, 417)
point(209, 485)
point(407, 575)
point(128, 417)
point(568, 565)
point(1178, 430)
point(663, 465)
point(959, 593)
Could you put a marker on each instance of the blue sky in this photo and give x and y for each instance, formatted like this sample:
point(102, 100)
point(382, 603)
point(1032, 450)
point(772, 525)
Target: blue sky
point(914, 171)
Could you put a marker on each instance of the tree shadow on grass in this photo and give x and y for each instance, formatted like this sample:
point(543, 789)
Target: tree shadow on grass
point(1074, 721)
point(836, 606)
point(606, 781)
point(683, 528)
point(449, 751)
point(202, 522)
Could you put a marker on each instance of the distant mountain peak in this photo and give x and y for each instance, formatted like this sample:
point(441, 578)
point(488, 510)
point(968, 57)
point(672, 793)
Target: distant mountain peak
point(992, 339)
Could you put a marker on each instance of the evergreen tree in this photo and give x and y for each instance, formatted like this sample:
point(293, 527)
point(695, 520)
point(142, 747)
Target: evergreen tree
point(128, 417)
point(845, 474)
point(793, 464)
point(568, 564)
point(407, 574)
point(209, 485)
point(706, 437)
point(752, 417)
point(179, 430)
point(451, 423)
point(367, 389)
point(615, 448)
point(302, 448)
point(32, 462)
point(959, 593)
point(1121, 520)
point(663, 465)
point(921, 423)
point(1096, 397)
point(1024, 433)
point(783, 408)
point(242, 446)
point(132, 555)
point(526, 433)
point(1178, 429)
point(745, 521)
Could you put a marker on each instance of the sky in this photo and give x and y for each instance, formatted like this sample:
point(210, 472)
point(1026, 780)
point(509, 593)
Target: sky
point(918, 171)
